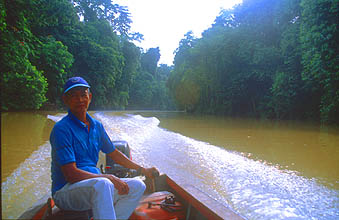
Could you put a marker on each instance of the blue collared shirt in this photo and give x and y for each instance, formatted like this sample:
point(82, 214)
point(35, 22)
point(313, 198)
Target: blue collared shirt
point(72, 142)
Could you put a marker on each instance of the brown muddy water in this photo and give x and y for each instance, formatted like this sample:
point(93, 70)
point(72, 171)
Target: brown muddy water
point(262, 169)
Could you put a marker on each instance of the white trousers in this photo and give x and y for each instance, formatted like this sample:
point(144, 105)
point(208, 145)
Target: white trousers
point(100, 195)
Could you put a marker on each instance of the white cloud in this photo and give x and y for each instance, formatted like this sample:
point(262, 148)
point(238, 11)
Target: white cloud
point(164, 22)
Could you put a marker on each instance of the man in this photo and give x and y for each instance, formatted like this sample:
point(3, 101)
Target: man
point(77, 183)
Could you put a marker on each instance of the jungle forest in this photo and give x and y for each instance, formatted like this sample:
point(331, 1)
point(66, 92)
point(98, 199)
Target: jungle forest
point(275, 59)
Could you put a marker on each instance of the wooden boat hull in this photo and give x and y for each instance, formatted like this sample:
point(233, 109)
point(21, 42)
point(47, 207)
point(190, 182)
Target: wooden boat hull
point(196, 204)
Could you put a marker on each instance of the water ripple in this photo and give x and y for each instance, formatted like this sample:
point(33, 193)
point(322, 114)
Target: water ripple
point(252, 188)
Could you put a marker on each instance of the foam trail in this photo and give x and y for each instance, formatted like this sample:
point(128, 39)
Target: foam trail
point(254, 189)
point(56, 118)
point(29, 182)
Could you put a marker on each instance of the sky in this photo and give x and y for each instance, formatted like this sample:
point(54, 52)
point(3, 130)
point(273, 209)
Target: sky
point(165, 22)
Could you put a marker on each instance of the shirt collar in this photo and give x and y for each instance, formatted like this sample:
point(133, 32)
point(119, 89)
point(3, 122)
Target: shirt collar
point(76, 120)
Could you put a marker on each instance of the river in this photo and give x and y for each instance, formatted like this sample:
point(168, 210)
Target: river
point(262, 169)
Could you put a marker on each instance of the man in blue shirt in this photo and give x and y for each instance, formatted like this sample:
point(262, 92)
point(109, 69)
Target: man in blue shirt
point(77, 183)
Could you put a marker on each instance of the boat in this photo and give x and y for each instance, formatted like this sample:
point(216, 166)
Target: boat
point(164, 198)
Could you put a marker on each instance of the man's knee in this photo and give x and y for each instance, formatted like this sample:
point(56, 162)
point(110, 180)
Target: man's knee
point(79, 196)
point(137, 185)
point(102, 184)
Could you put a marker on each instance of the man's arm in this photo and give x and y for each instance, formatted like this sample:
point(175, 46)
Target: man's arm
point(121, 159)
point(73, 174)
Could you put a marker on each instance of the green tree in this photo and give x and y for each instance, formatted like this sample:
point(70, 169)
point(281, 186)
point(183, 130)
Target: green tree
point(232, 66)
point(47, 19)
point(54, 60)
point(290, 99)
point(149, 90)
point(101, 66)
point(97, 58)
point(23, 86)
point(2, 16)
point(178, 88)
point(130, 70)
point(263, 58)
point(162, 99)
point(320, 55)
point(118, 16)
point(142, 89)
point(150, 59)
point(99, 53)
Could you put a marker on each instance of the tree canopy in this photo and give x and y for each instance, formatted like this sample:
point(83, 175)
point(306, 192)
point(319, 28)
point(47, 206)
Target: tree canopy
point(44, 42)
point(262, 58)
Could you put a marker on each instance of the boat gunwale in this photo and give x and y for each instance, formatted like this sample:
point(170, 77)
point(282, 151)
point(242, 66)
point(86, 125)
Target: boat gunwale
point(202, 202)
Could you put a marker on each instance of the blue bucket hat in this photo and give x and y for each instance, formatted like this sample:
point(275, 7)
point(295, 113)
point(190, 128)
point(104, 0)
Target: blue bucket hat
point(75, 82)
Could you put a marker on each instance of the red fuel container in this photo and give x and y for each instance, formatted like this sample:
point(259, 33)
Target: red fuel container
point(159, 205)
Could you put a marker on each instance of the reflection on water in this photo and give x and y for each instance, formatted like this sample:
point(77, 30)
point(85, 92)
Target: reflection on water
point(21, 134)
point(241, 163)
point(301, 147)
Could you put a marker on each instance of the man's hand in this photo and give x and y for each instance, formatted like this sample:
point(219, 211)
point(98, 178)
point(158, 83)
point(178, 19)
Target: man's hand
point(150, 172)
point(120, 185)
point(121, 159)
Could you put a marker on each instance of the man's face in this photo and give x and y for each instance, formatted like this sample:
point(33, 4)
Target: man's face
point(78, 99)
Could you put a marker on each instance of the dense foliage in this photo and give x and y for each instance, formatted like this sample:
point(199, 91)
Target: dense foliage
point(262, 58)
point(44, 42)
point(269, 58)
